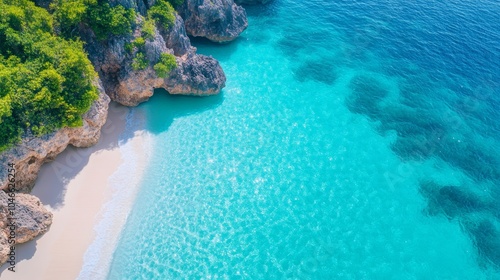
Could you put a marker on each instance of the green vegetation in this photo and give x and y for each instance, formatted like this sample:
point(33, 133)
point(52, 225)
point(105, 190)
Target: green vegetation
point(46, 82)
point(139, 42)
point(165, 65)
point(140, 62)
point(46, 79)
point(148, 28)
point(103, 19)
point(163, 13)
point(176, 3)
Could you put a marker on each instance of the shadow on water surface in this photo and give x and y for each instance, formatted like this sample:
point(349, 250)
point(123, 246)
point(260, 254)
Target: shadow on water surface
point(164, 108)
point(54, 176)
point(220, 51)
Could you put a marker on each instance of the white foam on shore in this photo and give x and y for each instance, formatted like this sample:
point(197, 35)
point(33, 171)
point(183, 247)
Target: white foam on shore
point(135, 149)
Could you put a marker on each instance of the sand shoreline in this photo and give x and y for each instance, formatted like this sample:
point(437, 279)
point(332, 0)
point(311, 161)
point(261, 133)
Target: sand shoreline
point(75, 187)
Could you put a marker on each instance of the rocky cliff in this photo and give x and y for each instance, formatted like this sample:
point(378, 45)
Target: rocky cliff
point(195, 74)
point(32, 152)
point(32, 219)
point(216, 20)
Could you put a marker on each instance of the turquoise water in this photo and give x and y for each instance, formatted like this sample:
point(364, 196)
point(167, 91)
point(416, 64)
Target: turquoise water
point(354, 140)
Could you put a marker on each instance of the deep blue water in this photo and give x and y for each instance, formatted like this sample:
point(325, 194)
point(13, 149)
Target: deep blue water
point(354, 140)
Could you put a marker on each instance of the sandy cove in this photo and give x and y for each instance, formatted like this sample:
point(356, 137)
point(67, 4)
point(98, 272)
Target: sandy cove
point(75, 187)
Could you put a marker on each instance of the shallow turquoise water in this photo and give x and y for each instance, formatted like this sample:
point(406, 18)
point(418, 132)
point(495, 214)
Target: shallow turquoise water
point(354, 140)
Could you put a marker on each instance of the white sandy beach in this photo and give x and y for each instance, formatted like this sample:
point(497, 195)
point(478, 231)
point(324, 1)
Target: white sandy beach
point(75, 187)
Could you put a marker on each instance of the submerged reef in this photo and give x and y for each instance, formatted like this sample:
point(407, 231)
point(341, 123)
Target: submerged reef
point(477, 215)
point(428, 128)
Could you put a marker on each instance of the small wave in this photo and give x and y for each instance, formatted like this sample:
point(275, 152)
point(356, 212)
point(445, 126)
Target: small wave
point(114, 213)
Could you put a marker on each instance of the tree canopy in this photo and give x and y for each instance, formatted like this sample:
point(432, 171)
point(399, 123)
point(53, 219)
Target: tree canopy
point(46, 81)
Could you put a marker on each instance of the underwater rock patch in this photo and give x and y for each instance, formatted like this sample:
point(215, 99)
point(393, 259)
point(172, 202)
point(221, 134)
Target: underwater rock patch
point(366, 94)
point(318, 70)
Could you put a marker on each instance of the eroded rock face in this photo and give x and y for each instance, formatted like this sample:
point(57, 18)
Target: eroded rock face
point(31, 220)
point(113, 62)
point(216, 20)
point(251, 2)
point(195, 74)
point(32, 152)
point(176, 38)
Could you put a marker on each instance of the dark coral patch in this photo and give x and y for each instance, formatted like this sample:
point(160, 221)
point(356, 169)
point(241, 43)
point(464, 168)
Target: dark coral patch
point(366, 94)
point(318, 70)
point(486, 237)
point(452, 201)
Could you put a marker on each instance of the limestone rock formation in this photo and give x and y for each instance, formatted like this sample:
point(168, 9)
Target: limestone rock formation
point(194, 74)
point(216, 20)
point(32, 152)
point(176, 37)
point(251, 2)
point(31, 220)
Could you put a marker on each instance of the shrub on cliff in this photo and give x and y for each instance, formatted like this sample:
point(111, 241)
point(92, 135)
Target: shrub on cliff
point(148, 28)
point(163, 13)
point(166, 64)
point(176, 3)
point(46, 82)
point(140, 62)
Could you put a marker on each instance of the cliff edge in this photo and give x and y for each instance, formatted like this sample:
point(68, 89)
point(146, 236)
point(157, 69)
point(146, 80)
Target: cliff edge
point(114, 58)
point(32, 152)
point(127, 74)
point(31, 217)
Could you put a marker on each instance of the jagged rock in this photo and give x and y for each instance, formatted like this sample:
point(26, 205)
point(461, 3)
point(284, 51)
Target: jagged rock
point(32, 152)
point(31, 220)
point(113, 62)
point(176, 38)
point(194, 74)
point(216, 20)
point(251, 2)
